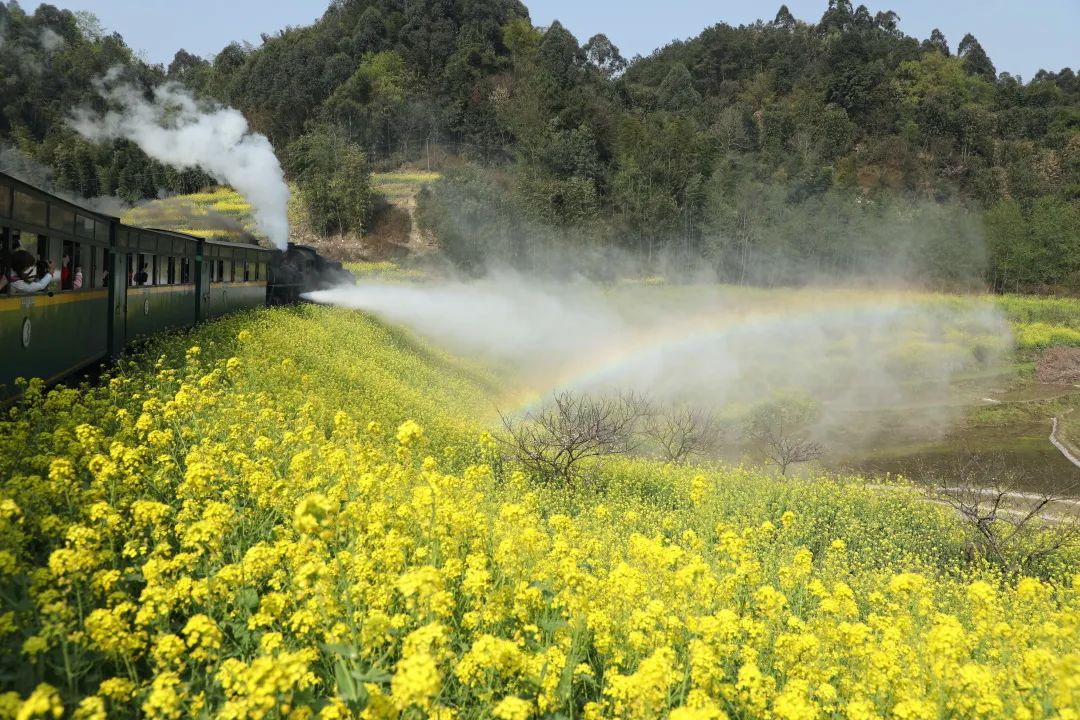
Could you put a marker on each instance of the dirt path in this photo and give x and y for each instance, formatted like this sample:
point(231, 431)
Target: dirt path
point(1060, 445)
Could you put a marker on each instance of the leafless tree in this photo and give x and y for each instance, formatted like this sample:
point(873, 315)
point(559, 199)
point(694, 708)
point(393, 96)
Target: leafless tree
point(1010, 526)
point(682, 431)
point(780, 431)
point(553, 440)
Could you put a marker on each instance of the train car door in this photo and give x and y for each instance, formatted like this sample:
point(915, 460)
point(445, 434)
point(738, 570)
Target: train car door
point(202, 281)
point(116, 266)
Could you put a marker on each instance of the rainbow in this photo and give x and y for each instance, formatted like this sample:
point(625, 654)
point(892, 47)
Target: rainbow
point(711, 327)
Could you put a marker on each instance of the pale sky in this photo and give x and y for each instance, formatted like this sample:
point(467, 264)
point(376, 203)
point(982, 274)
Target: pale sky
point(1020, 37)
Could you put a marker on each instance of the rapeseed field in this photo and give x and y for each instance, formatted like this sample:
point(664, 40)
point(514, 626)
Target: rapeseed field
point(301, 513)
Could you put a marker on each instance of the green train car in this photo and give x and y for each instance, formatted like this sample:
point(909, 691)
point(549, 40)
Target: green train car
point(132, 283)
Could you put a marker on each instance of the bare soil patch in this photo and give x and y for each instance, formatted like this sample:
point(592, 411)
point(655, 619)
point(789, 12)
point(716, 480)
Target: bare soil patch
point(1059, 366)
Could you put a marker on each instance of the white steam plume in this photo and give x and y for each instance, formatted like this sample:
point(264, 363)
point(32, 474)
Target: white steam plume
point(878, 363)
point(173, 129)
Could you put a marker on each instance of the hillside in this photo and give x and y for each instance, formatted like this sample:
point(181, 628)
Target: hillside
point(244, 525)
point(765, 153)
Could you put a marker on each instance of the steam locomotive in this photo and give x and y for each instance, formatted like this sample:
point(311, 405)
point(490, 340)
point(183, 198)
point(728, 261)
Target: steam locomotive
point(126, 283)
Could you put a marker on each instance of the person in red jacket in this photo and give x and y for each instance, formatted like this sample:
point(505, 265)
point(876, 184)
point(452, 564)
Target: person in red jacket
point(65, 272)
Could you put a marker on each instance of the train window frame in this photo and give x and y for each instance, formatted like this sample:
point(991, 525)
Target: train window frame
point(29, 211)
point(90, 280)
point(84, 226)
point(148, 261)
point(41, 243)
point(62, 219)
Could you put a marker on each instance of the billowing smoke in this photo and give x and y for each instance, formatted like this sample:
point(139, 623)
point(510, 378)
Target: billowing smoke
point(876, 362)
point(175, 129)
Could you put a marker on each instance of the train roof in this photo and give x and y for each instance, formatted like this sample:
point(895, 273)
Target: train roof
point(242, 246)
point(53, 197)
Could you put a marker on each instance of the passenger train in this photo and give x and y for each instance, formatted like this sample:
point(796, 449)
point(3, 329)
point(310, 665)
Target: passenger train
point(134, 282)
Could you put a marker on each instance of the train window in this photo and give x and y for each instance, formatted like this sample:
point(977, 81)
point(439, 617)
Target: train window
point(31, 242)
point(101, 231)
point(5, 200)
point(246, 278)
point(30, 209)
point(84, 226)
point(185, 270)
point(171, 270)
point(5, 239)
point(221, 271)
point(61, 219)
point(128, 261)
point(162, 275)
point(144, 275)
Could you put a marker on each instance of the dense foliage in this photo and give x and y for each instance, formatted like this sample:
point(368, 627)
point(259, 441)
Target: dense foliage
point(769, 151)
point(239, 525)
point(49, 62)
point(334, 180)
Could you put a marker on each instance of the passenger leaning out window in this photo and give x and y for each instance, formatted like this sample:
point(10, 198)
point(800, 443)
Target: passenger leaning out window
point(77, 279)
point(28, 275)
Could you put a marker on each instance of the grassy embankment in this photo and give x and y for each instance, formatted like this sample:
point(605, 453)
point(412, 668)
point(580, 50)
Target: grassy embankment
point(242, 525)
point(192, 214)
point(1038, 323)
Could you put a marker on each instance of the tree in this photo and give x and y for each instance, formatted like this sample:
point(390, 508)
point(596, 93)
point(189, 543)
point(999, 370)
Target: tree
point(784, 20)
point(185, 68)
point(936, 43)
point(780, 430)
point(602, 54)
point(559, 57)
point(334, 179)
point(1007, 525)
point(677, 92)
point(976, 61)
point(554, 440)
point(683, 431)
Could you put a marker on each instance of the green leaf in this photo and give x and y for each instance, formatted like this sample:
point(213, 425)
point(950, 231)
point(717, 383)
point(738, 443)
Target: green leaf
point(346, 684)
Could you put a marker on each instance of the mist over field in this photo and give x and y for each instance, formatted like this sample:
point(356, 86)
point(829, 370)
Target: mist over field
point(857, 353)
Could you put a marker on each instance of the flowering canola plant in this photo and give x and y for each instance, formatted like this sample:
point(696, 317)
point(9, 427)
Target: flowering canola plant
point(243, 526)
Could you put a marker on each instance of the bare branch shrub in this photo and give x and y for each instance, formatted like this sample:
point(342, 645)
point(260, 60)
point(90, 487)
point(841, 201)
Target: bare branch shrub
point(1009, 526)
point(681, 432)
point(553, 440)
point(780, 432)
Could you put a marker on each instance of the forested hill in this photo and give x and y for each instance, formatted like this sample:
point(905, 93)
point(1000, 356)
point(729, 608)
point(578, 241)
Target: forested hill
point(768, 150)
